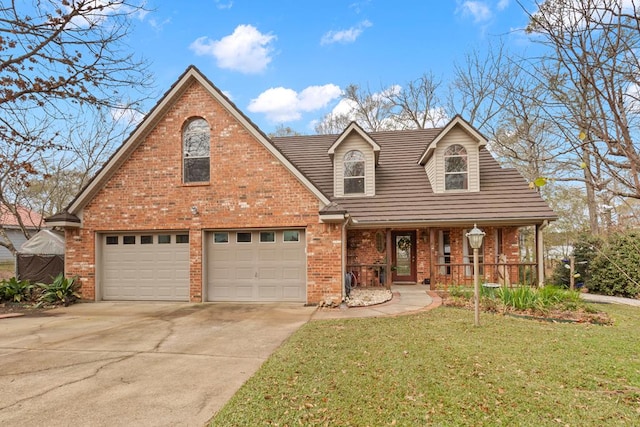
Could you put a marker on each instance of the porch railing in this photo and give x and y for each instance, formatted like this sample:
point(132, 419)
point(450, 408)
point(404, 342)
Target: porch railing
point(445, 275)
point(509, 275)
point(370, 275)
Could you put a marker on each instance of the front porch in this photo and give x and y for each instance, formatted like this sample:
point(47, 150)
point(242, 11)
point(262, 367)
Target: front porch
point(439, 257)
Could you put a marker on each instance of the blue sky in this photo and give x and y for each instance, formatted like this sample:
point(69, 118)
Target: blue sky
point(286, 62)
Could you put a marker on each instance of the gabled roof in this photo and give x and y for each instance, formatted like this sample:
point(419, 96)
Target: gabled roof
point(456, 121)
point(29, 218)
point(191, 75)
point(404, 196)
point(354, 127)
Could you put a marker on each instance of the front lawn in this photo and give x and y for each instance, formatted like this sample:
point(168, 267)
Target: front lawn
point(436, 368)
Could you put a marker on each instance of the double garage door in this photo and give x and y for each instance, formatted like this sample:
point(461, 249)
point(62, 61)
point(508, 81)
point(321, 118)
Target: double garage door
point(240, 265)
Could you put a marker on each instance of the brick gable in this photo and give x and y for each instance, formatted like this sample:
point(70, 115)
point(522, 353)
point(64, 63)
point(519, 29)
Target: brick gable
point(249, 188)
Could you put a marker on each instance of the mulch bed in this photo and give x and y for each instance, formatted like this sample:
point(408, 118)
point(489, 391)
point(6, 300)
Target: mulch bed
point(552, 315)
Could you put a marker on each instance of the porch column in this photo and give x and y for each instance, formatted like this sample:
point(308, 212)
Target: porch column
point(388, 275)
point(540, 253)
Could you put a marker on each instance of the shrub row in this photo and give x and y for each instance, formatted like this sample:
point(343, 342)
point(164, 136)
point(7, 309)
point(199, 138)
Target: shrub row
point(608, 266)
point(62, 290)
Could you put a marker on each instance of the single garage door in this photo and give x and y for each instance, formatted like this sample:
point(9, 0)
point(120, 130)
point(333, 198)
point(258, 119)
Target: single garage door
point(145, 266)
point(256, 265)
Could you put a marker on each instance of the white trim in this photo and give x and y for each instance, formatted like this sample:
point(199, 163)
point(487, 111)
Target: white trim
point(353, 127)
point(456, 121)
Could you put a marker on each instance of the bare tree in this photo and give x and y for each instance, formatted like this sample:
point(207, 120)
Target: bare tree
point(59, 60)
point(590, 68)
point(419, 103)
point(414, 106)
point(478, 89)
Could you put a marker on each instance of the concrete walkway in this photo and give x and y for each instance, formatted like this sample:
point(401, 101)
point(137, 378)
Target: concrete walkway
point(605, 299)
point(406, 299)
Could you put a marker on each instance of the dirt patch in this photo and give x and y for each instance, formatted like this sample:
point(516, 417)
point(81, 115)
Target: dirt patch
point(13, 309)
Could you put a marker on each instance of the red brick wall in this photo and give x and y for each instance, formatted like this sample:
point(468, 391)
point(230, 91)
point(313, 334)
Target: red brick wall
point(363, 250)
point(249, 188)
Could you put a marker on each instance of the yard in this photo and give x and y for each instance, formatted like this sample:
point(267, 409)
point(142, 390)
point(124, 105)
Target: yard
point(436, 368)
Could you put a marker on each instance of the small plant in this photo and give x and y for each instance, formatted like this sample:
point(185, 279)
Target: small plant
point(460, 291)
point(16, 290)
point(62, 290)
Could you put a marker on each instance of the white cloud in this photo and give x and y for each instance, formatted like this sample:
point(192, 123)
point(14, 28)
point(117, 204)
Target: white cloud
point(502, 4)
point(246, 50)
point(126, 115)
point(95, 12)
point(345, 36)
point(284, 105)
point(479, 10)
point(223, 4)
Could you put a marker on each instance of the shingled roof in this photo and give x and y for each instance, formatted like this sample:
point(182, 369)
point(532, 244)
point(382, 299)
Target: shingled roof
point(403, 193)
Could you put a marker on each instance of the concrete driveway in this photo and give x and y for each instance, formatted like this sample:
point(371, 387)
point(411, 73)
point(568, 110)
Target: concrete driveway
point(151, 364)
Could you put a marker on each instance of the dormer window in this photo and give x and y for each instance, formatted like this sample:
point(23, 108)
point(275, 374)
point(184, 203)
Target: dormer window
point(354, 167)
point(456, 168)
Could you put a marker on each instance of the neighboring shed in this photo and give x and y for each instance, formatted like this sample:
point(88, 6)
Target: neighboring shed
point(41, 258)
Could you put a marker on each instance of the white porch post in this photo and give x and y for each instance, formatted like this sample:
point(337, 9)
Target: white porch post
point(540, 252)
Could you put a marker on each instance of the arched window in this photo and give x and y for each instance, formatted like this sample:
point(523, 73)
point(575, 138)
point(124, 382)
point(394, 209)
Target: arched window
point(195, 151)
point(354, 172)
point(456, 168)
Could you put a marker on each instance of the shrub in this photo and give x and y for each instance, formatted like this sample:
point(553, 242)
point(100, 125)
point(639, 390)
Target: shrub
point(16, 290)
point(616, 268)
point(585, 249)
point(62, 290)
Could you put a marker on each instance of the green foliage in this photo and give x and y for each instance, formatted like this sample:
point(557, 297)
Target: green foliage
point(616, 268)
point(457, 291)
point(436, 369)
point(16, 290)
point(520, 298)
point(526, 298)
point(585, 249)
point(62, 290)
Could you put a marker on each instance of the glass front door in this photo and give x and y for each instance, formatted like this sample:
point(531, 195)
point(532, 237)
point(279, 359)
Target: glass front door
point(403, 256)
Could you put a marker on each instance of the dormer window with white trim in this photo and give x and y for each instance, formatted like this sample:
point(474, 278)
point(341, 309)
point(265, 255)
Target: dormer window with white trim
point(456, 168)
point(354, 172)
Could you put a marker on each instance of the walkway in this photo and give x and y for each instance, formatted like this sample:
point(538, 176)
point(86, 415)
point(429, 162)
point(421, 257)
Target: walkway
point(605, 299)
point(406, 299)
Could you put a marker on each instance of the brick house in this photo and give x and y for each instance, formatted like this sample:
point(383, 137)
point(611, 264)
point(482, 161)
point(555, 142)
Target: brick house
point(198, 204)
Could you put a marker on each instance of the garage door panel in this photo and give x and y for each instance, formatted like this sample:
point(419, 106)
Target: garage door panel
point(292, 273)
point(291, 292)
point(268, 273)
point(256, 271)
point(244, 253)
point(150, 272)
point(268, 293)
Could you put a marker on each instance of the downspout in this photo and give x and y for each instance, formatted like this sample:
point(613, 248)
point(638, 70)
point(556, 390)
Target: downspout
point(540, 252)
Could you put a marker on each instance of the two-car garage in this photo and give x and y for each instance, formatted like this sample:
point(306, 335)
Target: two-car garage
point(239, 265)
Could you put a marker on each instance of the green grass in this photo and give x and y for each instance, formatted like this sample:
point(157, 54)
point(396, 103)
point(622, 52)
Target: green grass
point(436, 368)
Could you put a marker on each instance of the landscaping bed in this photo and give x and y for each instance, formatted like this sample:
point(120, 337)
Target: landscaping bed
point(546, 304)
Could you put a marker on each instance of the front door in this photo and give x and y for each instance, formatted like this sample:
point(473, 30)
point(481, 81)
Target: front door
point(403, 256)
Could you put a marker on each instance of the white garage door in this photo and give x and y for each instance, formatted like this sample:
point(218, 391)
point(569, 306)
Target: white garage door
point(145, 266)
point(256, 265)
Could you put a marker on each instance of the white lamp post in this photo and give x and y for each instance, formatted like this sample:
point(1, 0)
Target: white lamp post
point(475, 237)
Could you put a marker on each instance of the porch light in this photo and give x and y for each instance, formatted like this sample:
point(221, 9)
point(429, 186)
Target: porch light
point(475, 237)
